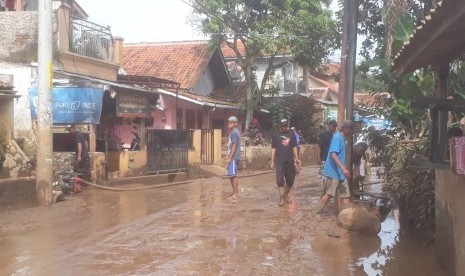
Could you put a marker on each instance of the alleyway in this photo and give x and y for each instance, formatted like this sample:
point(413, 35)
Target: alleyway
point(193, 230)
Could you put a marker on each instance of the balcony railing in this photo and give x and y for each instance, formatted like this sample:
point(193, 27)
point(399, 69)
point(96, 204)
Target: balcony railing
point(91, 40)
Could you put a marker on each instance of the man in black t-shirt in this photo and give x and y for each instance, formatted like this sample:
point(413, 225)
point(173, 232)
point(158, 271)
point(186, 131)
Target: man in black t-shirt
point(285, 158)
point(81, 149)
point(324, 140)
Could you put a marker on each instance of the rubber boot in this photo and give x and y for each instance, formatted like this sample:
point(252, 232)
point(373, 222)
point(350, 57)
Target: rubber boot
point(286, 194)
point(281, 196)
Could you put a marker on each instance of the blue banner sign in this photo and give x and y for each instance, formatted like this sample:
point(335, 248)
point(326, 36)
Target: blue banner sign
point(377, 123)
point(72, 104)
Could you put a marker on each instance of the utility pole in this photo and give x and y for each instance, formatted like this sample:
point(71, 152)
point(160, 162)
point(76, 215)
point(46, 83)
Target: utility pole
point(351, 57)
point(350, 85)
point(347, 74)
point(341, 97)
point(44, 106)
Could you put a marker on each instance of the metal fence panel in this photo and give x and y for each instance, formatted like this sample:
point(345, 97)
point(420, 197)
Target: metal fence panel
point(167, 150)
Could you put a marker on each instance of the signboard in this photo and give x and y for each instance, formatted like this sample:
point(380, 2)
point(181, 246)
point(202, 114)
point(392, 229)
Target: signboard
point(132, 105)
point(72, 104)
point(377, 123)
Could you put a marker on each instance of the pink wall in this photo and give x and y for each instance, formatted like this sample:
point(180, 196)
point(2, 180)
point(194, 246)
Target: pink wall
point(209, 114)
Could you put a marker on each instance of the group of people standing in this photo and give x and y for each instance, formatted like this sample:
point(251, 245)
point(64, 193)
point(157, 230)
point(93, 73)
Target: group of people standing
point(286, 162)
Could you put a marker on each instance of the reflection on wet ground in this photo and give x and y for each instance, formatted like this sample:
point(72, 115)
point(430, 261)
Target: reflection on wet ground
point(193, 230)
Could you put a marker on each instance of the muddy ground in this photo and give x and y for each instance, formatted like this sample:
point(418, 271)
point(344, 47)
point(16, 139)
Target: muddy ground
point(193, 229)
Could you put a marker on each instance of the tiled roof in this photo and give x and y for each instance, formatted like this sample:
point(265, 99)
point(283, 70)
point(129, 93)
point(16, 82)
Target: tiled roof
point(318, 93)
point(369, 99)
point(231, 93)
point(229, 53)
point(329, 69)
point(181, 62)
point(333, 86)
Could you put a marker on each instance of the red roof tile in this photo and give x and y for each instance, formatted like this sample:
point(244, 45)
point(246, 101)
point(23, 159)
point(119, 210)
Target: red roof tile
point(231, 93)
point(369, 99)
point(181, 62)
point(333, 86)
point(329, 69)
point(318, 93)
point(228, 51)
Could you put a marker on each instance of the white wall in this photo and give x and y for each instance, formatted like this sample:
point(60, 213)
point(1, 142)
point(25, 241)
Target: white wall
point(205, 83)
point(22, 113)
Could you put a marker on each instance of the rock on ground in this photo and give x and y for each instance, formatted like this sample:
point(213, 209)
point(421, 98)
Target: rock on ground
point(359, 220)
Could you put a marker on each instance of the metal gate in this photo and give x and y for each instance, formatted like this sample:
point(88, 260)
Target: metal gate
point(207, 152)
point(167, 150)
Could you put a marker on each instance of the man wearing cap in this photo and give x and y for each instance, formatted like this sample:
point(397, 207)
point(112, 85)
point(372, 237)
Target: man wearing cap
point(335, 170)
point(285, 159)
point(324, 140)
point(81, 148)
point(234, 155)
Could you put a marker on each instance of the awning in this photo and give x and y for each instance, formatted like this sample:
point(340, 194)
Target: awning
point(105, 82)
point(193, 98)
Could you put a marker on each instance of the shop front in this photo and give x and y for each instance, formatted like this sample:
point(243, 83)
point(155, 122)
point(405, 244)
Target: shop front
point(121, 135)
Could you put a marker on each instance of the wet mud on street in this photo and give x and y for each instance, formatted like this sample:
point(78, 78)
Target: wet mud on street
point(193, 229)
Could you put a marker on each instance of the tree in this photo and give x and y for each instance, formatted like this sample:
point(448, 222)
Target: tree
point(301, 29)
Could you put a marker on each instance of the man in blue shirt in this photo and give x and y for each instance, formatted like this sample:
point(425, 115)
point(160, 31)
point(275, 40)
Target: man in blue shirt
point(335, 170)
point(234, 155)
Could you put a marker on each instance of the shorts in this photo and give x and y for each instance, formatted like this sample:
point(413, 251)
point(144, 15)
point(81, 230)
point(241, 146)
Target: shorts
point(232, 168)
point(285, 173)
point(331, 186)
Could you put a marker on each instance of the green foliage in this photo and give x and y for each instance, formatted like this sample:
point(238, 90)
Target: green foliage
point(299, 111)
point(302, 29)
point(368, 79)
point(412, 188)
point(402, 28)
point(457, 77)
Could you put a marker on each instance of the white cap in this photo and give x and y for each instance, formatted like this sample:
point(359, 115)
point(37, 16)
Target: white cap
point(232, 119)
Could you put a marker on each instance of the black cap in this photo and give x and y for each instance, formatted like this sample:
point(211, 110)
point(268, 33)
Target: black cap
point(332, 122)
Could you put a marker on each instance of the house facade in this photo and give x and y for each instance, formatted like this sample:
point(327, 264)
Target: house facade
point(437, 42)
point(85, 70)
point(199, 71)
point(288, 78)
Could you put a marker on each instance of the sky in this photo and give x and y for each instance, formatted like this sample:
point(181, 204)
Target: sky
point(143, 20)
point(151, 20)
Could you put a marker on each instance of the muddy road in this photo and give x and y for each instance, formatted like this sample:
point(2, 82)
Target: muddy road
point(193, 229)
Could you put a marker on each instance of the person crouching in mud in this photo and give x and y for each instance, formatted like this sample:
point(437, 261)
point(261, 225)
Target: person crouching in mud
point(285, 158)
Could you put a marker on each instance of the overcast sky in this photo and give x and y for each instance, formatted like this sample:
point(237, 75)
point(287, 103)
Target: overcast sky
point(143, 20)
point(149, 20)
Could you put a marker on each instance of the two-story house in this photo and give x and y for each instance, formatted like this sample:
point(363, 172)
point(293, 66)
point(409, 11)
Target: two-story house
point(85, 79)
point(199, 71)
